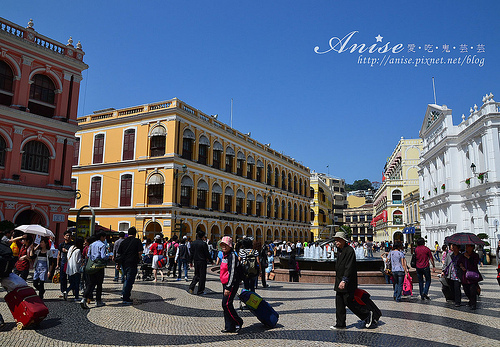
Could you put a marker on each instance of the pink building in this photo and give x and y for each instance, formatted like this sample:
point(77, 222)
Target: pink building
point(39, 86)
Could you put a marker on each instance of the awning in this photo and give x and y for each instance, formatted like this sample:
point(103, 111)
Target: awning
point(260, 163)
point(155, 179)
point(202, 185)
point(188, 134)
point(158, 131)
point(250, 196)
point(204, 140)
point(216, 188)
point(230, 151)
point(187, 182)
point(250, 160)
point(259, 198)
point(240, 194)
point(218, 146)
point(382, 216)
point(229, 191)
point(241, 156)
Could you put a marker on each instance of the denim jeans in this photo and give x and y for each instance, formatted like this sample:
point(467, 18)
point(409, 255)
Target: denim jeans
point(117, 275)
point(399, 277)
point(129, 273)
point(183, 265)
point(421, 273)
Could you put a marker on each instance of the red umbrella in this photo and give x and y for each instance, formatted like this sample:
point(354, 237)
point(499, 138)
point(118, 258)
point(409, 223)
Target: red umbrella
point(464, 239)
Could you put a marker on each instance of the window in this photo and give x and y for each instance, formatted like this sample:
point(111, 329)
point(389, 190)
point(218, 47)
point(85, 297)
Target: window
point(128, 144)
point(3, 146)
point(155, 189)
point(258, 177)
point(203, 154)
point(126, 190)
point(239, 205)
point(215, 201)
point(95, 192)
point(250, 170)
point(258, 208)
point(228, 202)
point(229, 162)
point(42, 96)
point(123, 226)
point(355, 219)
point(295, 212)
point(249, 206)
point(396, 197)
point(98, 148)
point(239, 167)
point(202, 198)
point(289, 215)
point(76, 155)
point(6, 84)
point(201, 194)
point(269, 207)
point(269, 174)
point(157, 141)
point(187, 148)
point(276, 177)
point(187, 185)
point(348, 219)
point(295, 188)
point(290, 183)
point(35, 157)
point(276, 208)
point(216, 160)
point(300, 213)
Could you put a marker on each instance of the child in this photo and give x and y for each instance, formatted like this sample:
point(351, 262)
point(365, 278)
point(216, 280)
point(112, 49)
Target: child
point(230, 284)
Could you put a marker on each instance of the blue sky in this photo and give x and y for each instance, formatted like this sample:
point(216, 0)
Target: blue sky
point(321, 109)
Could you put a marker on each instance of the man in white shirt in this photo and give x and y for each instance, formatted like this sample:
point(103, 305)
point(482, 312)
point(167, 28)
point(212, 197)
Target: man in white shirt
point(97, 250)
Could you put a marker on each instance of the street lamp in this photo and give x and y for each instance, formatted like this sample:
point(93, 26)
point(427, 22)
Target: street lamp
point(473, 168)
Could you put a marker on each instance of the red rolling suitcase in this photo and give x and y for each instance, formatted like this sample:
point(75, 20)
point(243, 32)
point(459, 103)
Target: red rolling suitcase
point(26, 306)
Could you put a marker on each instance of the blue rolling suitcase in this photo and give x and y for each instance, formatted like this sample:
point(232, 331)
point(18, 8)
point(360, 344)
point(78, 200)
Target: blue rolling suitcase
point(260, 308)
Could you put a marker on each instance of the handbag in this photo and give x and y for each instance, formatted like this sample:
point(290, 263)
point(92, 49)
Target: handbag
point(408, 285)
point(472, 276)
point(57, 277)
point(93, 266)
point(272, 275)
point(443, 281)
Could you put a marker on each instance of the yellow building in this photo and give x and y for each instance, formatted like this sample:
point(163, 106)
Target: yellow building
point(400, 179)
point(169, 168)
point(327, 206)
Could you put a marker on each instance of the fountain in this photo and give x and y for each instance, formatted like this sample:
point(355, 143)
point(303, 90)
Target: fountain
point(317, 265)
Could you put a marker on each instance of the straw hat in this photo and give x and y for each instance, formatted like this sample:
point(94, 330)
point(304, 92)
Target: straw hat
point(341, 235)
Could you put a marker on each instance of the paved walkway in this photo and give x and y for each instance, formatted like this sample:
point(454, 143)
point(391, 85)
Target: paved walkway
point(164, 314)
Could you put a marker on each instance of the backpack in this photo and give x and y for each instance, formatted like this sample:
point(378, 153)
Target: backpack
point(6, 260)
point(413, 261)
point(171, 250)
point(250, 266)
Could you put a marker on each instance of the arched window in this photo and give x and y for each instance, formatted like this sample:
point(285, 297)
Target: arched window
point(290, 183)
point(295, 216)
point(250, 200)
point(396, 197)
point(187, 185)
point(276, 177)
point(187, 144)
point(258, 205)
point(126, 190)
point(300, 186)
point(201, 195)
point(35, 157)
point(128, 144)
point(216, 194)
point(312, 214)
point(157, 141)
point(276, 208)
point(269, 174)
point(300, 213)
point(203, 146)
point(311, 193)
point(295, 188)
point(95, 191)
point(155, 189)
point(283, 180)
point(6, 83)
point(250, 167)
point(3, 146)
point(42, 96)
point(289, 211)
point(269, 207)
point(76, 154)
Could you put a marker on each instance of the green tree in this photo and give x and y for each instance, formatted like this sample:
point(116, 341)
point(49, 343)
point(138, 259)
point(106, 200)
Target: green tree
point(364, 184)
point(347, 230)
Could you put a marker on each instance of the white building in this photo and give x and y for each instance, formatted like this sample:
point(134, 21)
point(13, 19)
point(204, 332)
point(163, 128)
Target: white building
point(459, 172)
